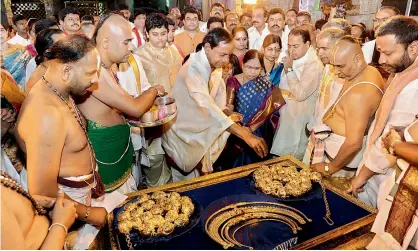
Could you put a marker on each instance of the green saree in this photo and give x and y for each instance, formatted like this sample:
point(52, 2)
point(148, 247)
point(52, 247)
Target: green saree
point(114, 153)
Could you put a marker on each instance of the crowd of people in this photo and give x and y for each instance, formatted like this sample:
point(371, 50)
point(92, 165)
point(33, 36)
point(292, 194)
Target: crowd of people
point(247, 88)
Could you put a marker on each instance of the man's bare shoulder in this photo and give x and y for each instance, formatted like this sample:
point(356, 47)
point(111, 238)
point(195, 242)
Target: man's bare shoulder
point(41, 110)
point(373, 75)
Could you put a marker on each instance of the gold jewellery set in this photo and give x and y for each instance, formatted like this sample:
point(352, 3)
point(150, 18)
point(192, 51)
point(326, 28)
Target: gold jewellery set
point(155, 215)
point(286, 181)
point(223, 225)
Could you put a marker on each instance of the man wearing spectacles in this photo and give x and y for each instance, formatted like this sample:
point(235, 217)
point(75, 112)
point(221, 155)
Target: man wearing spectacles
point(371, 55)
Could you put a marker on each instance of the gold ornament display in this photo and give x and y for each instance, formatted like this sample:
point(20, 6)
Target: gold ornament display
point(155, 215)
point(219, 225)
point(286, 181)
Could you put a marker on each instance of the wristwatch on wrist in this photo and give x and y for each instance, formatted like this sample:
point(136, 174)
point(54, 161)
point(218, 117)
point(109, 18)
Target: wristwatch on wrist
point(289, 69)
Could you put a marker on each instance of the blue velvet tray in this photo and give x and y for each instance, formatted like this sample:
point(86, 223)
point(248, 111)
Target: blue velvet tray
point(347, 213)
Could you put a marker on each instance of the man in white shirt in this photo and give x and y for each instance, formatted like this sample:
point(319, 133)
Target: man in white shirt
point(299, 86)
point(369, 48)
point(216, 10)
point(259, 31)
point(22, 36)
point(276, 23)
point(231, 21)
point(397, 42)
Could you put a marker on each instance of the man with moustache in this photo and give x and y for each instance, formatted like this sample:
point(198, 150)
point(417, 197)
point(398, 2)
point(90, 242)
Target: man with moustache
point(50, 130)
point(195, 139)
point(216, 10)
point(231, 21)
point(259, 31)
point(246, 20)
point(340, 140)
point(397, 42)
point(299, 83)
point(70, 20)
point(276, 23)
point(107, 102)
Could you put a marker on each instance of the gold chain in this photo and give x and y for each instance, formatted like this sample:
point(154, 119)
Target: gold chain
point(327, 217)
point(128, 242)
point(74, 110)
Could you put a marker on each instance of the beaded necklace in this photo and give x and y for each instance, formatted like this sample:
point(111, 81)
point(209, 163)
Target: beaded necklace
point(9, 182)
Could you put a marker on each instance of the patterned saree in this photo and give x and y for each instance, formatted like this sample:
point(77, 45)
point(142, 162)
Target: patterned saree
point(259, 102)
point(16, 58)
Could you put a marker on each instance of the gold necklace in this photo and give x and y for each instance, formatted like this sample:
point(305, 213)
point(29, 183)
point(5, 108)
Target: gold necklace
point(9, 182)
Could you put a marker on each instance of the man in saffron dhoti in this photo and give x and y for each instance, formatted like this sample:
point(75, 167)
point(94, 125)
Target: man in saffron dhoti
point(194, 140)
point(398, 52)
point(337, 144)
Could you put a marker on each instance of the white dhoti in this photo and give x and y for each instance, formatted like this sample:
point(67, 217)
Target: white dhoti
point(83, 237)
point(332, 145)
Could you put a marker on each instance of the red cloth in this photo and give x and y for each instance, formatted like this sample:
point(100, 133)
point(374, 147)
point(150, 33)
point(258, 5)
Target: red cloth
point(138, 37)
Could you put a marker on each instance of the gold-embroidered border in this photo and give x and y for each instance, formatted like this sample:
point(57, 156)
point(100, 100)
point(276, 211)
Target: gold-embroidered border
point(115, 185)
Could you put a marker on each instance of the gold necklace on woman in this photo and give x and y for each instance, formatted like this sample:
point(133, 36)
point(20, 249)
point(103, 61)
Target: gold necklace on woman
point(9, 182)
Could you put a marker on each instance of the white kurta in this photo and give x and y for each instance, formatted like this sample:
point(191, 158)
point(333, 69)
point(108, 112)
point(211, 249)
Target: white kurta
point(375, 158)
point(199, 131)
point(302, 83)
point(255, 38)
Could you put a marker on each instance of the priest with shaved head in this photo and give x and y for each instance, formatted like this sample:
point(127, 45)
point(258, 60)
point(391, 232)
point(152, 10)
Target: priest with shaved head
point(107, 103)
point(338, 143)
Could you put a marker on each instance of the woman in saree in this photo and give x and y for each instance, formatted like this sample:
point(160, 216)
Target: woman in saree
point(14, 58)
point(272, 47)
point(258, 101)
point(240, 36)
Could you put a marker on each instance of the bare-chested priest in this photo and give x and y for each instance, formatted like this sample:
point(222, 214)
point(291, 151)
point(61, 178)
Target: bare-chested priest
point(49, 129)
point(339, 142)
point(106, 103)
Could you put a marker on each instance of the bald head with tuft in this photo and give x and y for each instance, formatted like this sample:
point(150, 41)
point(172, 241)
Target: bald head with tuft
point(347, 57)
point(113, 38)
